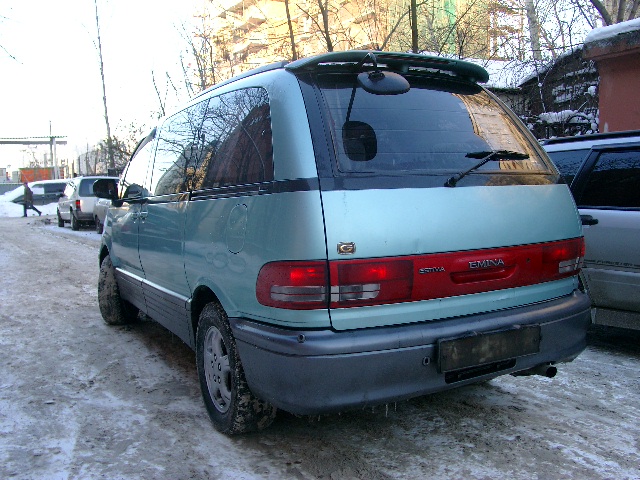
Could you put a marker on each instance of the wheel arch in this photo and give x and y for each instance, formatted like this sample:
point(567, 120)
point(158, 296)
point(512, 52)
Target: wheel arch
point(202, 296)
point(104, 251)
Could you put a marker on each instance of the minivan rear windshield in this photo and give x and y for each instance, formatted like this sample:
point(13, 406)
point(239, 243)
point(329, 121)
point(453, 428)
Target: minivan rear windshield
point(434, 128)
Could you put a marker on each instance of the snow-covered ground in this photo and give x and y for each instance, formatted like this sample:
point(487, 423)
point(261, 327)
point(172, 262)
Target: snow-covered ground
point(82, 400)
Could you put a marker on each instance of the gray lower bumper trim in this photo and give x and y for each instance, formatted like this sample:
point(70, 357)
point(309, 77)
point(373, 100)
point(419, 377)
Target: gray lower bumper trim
point(307, 372)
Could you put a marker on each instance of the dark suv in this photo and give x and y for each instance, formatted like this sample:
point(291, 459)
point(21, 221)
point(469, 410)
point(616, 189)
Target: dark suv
point(604, 173)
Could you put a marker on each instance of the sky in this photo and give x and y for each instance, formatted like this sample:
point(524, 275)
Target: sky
point(50, 73)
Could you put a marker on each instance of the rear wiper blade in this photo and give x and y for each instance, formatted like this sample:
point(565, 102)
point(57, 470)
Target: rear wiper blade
point(485, 156)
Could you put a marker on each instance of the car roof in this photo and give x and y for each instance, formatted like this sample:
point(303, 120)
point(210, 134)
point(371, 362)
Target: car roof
point(587, 141)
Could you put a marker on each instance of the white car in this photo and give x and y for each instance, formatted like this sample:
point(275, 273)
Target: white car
point(76, 204)
point(100, 212)
point(44, 191)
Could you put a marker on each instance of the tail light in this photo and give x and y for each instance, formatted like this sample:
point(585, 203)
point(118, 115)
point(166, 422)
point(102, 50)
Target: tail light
point(305, 285)
point(78, 205)
point(349, 283)
point(563, 259)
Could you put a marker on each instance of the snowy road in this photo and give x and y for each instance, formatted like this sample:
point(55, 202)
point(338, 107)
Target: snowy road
point(82, 400)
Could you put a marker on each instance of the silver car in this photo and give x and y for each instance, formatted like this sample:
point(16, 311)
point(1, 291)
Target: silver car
point(604, 171)
point(100, 212)
point(75, 206)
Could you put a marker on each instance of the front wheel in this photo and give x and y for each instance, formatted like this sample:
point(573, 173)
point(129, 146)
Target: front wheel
point(60, 220)
point(232, 407)
point(114, 310)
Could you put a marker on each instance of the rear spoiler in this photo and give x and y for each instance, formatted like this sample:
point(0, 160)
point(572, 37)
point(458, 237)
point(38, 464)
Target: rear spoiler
point(403, 63)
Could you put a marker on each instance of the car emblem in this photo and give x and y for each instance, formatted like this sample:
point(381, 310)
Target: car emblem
point(346, 248)
point(487, 263)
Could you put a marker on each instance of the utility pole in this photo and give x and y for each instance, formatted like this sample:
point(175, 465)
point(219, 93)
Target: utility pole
point(104, 94)
point(414, 27)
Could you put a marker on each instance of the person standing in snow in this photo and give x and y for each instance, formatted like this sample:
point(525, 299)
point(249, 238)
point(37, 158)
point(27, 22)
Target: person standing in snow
point(28, 200)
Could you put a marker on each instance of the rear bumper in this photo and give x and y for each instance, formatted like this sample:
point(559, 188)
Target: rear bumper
point(83, 216)
point(307, 372)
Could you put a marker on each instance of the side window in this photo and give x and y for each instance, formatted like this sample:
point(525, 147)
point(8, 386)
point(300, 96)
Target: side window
point(86, 187)
point(614, 181)
point(568, 162)
point(236, 140)
point(134, 181)
point(177, 151)
point(69, 189)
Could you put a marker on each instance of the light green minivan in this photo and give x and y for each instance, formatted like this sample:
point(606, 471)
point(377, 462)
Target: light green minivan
point(346, 230)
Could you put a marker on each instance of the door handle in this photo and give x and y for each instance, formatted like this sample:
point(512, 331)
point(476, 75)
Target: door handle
point(588, 220)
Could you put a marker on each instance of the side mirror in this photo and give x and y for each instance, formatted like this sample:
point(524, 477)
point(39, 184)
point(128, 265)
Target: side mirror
point(106, 188)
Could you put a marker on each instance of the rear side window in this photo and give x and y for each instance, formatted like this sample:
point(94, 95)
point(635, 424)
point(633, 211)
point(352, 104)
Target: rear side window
point(86, 187)
point(568, 162)
point(53, 187)
point(431, 129)
point(236, 146)
point(614, 181)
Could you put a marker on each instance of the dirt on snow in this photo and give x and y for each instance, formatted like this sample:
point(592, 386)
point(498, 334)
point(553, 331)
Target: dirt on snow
point(82, 400)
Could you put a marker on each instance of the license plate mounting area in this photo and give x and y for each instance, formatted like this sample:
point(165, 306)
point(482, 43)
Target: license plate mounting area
point(484, 348)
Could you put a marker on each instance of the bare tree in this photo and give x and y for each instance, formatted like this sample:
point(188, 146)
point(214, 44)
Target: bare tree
point(534, 29)
point(294, 54)
point(616, 11)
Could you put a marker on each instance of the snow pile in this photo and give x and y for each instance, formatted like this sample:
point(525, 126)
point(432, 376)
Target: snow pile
point(558, 117)
point(611, 31)
point(10, 209)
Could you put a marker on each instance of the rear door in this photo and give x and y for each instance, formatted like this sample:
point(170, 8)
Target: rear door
point(608, 195)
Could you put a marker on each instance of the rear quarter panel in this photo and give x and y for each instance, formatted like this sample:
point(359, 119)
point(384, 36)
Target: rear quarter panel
point(228, 240)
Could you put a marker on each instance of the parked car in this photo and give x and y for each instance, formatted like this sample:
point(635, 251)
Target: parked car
point(604, 173)
point(75, 206)
point(350, 229)
point(100, 212)
point(44, 192)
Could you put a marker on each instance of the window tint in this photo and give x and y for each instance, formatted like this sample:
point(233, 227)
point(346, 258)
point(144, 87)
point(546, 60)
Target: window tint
point(53, 187)
point(433, 128)
point(134, 181)
point(614, 182)
point(177, 154)
point(236, 143)
point(568, 162)
point(86, 187)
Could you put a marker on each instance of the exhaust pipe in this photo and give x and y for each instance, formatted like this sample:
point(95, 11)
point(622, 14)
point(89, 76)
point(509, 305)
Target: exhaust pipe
point(548, 371)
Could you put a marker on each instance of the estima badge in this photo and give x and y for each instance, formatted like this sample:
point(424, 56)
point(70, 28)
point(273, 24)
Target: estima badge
point(431, 270)
point(488, 263)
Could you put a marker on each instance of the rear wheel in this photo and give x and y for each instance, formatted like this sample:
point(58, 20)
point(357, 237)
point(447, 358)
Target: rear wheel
point(60, 220)
point(75, 224)
point(231, 405)
point(114, 310)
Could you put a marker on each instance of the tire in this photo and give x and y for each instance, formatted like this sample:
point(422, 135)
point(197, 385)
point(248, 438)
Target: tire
point(99, 226)
point(60, 220)
point(232, 407)
point(75, 224)
point(114, 310)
